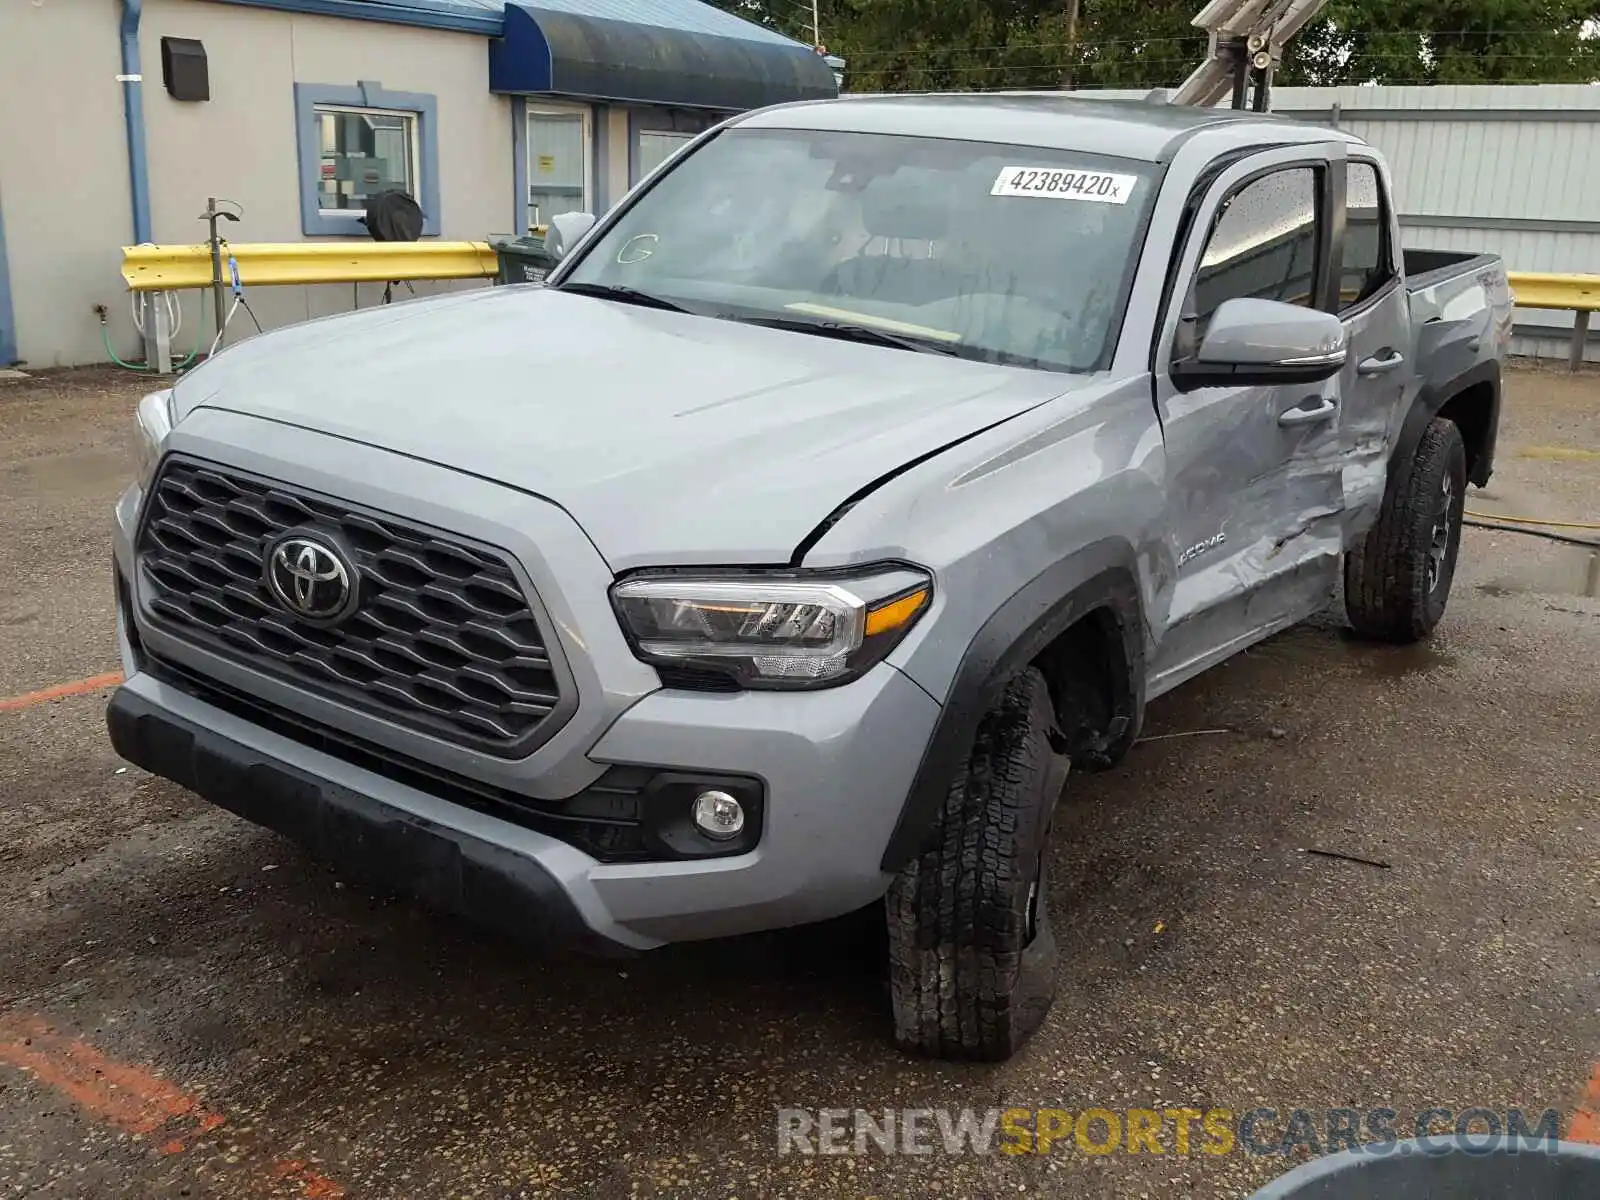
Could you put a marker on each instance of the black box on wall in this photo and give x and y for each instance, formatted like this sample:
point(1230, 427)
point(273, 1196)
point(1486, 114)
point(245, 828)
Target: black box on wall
point(183, 69)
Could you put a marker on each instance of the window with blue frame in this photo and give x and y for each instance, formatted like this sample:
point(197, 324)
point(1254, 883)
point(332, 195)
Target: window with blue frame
point(355, 142)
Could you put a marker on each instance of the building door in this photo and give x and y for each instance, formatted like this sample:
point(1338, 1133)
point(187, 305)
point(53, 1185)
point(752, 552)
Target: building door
point(559, 163)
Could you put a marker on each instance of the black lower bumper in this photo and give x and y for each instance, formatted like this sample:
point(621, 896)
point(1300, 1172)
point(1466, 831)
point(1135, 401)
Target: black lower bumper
point(441, 867)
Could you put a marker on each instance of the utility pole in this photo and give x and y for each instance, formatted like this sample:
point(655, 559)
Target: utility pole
point(1069, 79)
point(816, 27)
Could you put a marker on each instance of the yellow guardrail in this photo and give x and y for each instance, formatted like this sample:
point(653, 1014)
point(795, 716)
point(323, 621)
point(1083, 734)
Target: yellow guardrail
point(1577, 294)
point(262, 264)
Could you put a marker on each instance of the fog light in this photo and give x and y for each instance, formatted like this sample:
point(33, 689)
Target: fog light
point(718, 815)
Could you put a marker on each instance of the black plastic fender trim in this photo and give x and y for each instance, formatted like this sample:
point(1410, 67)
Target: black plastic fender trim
point(1434, 397)
point(1099, 576)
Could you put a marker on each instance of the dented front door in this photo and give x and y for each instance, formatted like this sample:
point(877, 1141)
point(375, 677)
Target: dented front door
point(1254, 473)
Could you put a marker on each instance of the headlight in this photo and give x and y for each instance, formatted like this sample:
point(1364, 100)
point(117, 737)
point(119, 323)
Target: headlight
point(153, 422)
point(773, 632)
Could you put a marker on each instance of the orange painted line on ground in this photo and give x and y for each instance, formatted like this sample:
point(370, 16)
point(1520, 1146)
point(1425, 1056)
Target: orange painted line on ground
point(132, 1098)
point(312, 1185)
point(93, 684)
point(126, 1096)
point(1586, 1118)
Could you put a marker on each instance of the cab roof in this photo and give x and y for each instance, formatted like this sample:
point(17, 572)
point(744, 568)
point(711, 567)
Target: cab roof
point(1147, 130)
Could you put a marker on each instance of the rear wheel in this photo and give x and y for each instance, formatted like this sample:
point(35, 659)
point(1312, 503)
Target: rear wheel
point(971, 955)
point(1397, 581)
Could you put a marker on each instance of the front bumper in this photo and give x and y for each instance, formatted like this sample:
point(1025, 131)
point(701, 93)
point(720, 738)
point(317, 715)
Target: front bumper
point(834, 766)
point(450, 869)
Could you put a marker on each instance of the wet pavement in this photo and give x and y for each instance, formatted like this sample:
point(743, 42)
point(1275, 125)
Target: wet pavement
point(190, 1006)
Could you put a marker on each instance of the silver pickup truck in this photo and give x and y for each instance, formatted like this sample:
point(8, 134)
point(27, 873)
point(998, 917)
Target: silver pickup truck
point(872, 463)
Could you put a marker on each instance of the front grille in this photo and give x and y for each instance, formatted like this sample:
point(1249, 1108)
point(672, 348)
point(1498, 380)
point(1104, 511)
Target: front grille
point(442, 640)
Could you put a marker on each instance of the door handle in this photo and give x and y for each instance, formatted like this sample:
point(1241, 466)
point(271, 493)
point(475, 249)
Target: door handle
point(1309, 411)
point(1380, 366)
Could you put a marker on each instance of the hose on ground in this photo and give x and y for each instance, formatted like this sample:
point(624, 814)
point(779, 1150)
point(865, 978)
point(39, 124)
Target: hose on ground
point(1533, 521)
point(1527, 531)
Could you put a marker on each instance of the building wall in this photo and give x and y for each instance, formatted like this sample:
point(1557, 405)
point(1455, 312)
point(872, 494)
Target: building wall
point(63, 175)
point(1508, 169)
point(616, 133)
point(63, 172)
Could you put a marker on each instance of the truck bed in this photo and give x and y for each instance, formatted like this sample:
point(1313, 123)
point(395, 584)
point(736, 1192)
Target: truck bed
point(1457, 285)
point(1428, 268)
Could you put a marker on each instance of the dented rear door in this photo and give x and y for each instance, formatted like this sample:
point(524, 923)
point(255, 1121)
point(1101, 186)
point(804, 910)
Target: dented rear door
point(1381, 372)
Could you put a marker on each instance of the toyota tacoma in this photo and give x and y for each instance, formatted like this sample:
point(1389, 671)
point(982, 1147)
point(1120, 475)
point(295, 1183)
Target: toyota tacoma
point(871, 464)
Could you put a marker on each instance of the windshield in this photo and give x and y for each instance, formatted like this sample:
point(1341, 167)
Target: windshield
point(1001, 253)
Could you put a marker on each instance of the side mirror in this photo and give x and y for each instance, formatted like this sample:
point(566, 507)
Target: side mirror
point(1254, 341)
point(565, 231)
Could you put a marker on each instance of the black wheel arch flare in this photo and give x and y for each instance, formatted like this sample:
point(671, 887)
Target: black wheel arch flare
point(1099, 576)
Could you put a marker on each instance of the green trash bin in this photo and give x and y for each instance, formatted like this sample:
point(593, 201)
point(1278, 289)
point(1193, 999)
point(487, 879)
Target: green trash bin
point(522, 259)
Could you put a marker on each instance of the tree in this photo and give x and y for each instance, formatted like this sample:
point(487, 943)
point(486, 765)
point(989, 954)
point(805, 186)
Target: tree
point(1448, 41)
point(930, 45)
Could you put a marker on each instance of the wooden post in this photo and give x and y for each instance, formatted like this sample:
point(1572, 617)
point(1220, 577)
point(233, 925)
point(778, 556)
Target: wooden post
point(1580, 335)
point(1069, 80)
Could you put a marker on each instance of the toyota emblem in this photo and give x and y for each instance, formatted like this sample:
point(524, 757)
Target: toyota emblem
point(311, 578)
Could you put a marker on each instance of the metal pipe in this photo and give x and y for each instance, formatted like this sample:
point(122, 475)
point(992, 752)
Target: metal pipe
point(1261, 101)
point(133, 117)
point(210, 219)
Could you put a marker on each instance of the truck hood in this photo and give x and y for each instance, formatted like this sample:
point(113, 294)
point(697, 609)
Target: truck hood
point(670, 438)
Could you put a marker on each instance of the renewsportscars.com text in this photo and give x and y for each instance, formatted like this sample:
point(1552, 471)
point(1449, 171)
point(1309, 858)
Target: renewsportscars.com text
point(1175, 1131)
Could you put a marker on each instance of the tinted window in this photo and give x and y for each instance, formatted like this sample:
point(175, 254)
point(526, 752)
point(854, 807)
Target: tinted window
point(1263, 244)
point(1364, 263)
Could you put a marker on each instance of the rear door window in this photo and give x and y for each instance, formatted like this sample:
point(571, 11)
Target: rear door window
point(1366, 261)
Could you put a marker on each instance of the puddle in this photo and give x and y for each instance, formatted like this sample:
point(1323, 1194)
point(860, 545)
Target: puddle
point(1570, 571)
point(1397, 662)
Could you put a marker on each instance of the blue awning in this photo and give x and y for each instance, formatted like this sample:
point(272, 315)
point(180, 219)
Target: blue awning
point(672, 53)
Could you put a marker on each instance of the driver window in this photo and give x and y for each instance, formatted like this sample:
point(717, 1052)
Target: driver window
point(1263, 244)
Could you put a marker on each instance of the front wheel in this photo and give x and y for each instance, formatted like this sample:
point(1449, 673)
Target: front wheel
point(1397, 580)
point(971, 956)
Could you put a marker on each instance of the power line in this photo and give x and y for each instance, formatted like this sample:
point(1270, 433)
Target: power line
point(1360, 56)
point(1198, 37)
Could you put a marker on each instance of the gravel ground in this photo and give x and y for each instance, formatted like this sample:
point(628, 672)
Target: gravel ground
point(189, 1006)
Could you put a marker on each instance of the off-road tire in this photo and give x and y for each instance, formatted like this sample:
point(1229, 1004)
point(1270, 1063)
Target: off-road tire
point(1397, 580)
point(971, 956)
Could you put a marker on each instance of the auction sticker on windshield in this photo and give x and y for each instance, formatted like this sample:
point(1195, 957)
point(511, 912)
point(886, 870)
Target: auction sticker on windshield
point(1101, 187)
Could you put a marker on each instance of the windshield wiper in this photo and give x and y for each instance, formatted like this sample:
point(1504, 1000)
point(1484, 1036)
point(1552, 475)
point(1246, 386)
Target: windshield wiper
point(628, 295)
point(845, 331)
